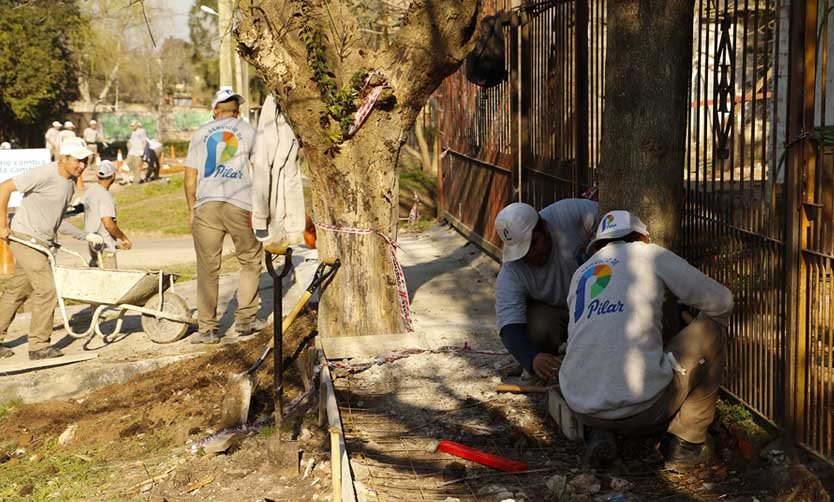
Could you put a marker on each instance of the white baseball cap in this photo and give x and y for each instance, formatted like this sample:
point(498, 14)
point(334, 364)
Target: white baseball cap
point(93, 122)
point(225, 94)
point(616, 224)
point(74, 147)
point(69, 125)
point(106, 169)
point(134, 122)
point(514, 225)
point(56, 124)
point(5, 145)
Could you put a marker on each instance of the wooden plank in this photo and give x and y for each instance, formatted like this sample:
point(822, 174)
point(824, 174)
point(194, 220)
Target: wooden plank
point(327, 399)
point(347, 347)
point(45, 363)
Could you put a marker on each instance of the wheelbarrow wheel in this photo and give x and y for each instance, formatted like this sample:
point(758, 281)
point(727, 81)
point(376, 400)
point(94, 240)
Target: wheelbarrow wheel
point(165, 330)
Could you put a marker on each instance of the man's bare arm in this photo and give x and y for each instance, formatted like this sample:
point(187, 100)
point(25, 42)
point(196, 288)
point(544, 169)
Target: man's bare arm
point(6, 189)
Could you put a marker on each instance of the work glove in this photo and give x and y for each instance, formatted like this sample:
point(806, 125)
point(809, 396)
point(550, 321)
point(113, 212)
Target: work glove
point(94, 239)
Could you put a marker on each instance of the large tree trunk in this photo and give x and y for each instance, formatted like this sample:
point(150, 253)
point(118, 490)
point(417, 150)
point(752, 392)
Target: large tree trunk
point(647, 71)
point(355, 180)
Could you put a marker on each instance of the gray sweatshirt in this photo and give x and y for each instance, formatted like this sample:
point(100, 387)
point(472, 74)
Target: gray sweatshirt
point(615, 366)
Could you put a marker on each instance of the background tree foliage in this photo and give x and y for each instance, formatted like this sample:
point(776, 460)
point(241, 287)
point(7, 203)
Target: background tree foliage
point(37, 71)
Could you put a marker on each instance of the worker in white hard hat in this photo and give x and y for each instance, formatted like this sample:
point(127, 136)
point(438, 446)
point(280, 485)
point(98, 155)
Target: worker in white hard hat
point(92, 136)
point(51, 138)
point(47, 190)
point(136, 151)
point(542, 249)
point(618, 373)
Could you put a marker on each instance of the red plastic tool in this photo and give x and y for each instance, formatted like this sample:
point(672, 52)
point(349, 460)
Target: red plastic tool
point(488, 459)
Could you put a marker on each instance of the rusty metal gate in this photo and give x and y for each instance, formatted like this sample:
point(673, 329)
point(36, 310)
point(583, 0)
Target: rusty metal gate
point(759, 174)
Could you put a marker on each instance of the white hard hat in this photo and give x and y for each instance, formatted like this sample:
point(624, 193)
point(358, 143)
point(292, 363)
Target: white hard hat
point(5, 145)
point(75, 147)
point(225, 94)
point(56, 124)
point(514, 225)
point(134, 122)
point(69, 125)
point(93, 122)
point(616, 224)
point(106, 169)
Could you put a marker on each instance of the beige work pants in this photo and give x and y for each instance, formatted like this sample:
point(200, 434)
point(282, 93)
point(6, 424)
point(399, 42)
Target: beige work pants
point(32, 277)
point(689, 399)
point(135, 164)
point(212, 221)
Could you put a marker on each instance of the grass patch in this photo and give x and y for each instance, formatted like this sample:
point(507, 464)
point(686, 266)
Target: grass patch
point(188, 271)
point(51, 476)
point(154, 208)
point(267, 431)
point(737, 416)
point(7, 406)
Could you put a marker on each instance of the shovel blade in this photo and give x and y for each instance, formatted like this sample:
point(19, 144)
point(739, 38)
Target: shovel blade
point(236, 401)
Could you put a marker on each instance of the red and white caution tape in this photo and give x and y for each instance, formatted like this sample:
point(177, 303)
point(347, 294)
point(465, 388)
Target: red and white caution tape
point(365, 110)
point(402, 289)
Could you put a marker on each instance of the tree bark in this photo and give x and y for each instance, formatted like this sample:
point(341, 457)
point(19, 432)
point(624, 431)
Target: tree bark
point(647, 72)
point(355, 182)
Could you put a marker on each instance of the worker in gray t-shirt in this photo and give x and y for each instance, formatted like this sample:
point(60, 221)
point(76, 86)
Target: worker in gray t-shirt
point(100, 219)
point(541, 252)
point(47, 191)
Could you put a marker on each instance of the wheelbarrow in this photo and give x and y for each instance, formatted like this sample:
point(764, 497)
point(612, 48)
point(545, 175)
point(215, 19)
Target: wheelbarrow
point(165, 315)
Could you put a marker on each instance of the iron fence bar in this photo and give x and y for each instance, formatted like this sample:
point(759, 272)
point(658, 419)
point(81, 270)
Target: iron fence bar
point(477, 161)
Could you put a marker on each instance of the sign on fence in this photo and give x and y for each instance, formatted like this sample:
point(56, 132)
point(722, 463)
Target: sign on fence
point(14, 162)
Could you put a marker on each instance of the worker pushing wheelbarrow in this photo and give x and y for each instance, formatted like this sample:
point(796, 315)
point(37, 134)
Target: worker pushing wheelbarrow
point(165, 315)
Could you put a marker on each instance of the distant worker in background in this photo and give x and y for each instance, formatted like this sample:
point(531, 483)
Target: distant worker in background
point(136, 151)
point(68, 132)
point(52, 141)
point(153, 151)
point(92, 136)
point(218, 190)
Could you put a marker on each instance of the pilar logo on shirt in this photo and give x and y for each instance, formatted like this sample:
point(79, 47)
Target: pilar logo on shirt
point(592, 282)
point(608, 222)
point(214, 166)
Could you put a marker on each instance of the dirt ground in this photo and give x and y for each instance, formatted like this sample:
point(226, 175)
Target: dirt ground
point(393, 411)
point(129, 434)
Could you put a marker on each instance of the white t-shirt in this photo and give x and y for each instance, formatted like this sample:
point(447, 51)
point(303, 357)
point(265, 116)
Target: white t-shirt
point(136, 143)
point(64, 135)
point(615, 366)
point(51, 136)
point(571, 223)
point(220, 152)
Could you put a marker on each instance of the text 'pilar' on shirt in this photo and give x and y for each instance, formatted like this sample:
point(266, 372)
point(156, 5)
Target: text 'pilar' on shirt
point(220, 151)
point(615, 366)
point(571, 223)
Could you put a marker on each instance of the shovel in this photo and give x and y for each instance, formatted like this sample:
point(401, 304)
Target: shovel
point(238, 394)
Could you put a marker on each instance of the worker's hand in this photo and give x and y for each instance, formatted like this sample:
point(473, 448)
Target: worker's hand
point(94, 239)
point(546, 366)
point(4, 233)
point(125, 244)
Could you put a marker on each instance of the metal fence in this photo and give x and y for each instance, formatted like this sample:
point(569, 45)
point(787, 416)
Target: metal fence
point(759, 174)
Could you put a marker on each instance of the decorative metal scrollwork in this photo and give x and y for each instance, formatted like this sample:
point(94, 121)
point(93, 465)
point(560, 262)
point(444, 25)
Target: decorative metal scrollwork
point(724, 73)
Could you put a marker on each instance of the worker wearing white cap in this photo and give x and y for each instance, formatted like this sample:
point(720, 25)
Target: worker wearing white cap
point(92, 136)
point(617, 372)
point(541, 251)
point(100, 219)
point(136, 150)
point(51, 139)
point(218, 190)
point(47, 190)
point(68, 132)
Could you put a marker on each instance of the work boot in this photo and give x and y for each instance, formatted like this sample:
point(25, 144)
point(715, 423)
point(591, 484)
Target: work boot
point(5, 351)
point(47, 353)
point(248, 329)
point(679, 455)
point(600, 447)
point(209, 337)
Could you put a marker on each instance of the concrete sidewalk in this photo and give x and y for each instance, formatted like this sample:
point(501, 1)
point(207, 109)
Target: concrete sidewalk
point(450, 283)
point(146, 254)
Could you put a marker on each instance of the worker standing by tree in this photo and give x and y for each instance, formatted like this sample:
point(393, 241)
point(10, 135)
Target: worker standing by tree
point(617, 372)
point(218, 190)
point(47, 190)
point(541, 252)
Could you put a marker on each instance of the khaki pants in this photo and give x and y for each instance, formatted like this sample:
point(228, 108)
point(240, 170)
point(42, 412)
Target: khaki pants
point(689, 399)
point(32, 277)
point(212, 221)
point(547, 326)
point(135, 164)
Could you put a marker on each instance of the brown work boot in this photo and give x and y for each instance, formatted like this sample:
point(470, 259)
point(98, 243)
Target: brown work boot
point(247, 329)
point(5, 351)
point(679, 455)
point(210, 337)
point(47, 353)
